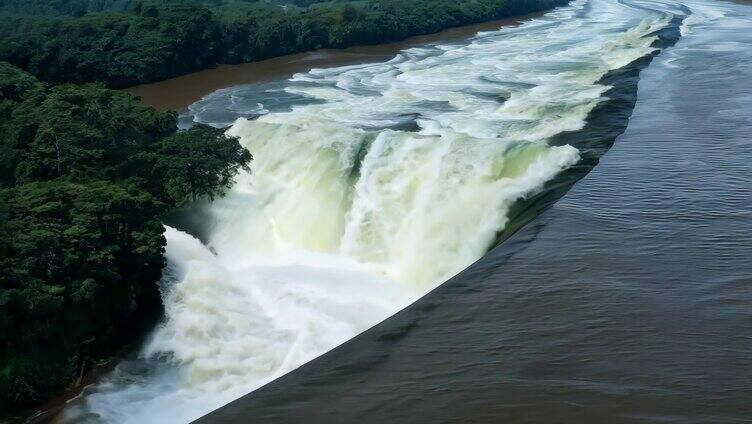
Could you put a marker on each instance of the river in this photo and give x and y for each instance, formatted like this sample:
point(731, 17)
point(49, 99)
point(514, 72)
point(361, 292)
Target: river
point(180, 92)
point(625, 301)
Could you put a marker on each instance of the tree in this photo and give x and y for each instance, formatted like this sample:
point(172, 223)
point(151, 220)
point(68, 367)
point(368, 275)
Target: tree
point(157, 39)
point(200, 162)
point(88, 175)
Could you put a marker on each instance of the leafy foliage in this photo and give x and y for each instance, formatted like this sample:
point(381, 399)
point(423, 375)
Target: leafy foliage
point(119, 49)
point(194, 163)
point(154, 40)
point(63, 7)
point(87, 176)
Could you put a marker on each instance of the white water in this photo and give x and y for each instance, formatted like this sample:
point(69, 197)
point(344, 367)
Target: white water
point(343, 221)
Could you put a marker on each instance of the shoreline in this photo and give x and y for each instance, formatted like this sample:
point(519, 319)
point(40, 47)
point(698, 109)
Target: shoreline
point(51, 410)
point(180, 92)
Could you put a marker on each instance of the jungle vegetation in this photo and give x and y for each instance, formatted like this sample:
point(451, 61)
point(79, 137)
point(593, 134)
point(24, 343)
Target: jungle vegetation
point(126, 42)
point(87, 175)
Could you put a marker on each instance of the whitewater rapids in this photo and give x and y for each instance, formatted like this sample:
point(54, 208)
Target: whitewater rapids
point(383, 181)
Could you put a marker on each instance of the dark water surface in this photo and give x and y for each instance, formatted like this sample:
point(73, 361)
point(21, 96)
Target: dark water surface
point(629, 300)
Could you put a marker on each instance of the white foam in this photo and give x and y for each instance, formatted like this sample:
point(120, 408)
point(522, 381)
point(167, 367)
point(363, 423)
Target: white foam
point(344, 222)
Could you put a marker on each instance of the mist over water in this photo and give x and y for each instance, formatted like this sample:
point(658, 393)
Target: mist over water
point(371, 185)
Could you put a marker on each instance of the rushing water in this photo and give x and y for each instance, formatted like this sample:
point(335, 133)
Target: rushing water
point(372, 184)
point(180, 92)
point(628, 301)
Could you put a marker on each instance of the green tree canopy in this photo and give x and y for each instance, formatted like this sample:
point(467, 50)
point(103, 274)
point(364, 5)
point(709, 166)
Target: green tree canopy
point(195, 163)
point(88, 174)
point(129, 43)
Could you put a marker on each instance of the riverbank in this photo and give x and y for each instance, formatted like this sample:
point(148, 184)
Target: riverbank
point(144, 44)
point(59, 211)
point(180, 92)
point(46, 413)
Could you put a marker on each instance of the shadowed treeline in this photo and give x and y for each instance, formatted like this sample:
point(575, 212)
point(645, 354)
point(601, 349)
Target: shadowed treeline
point(154, 40)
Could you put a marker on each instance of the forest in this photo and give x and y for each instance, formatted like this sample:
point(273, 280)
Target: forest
point(123, 43)
point(87, 175)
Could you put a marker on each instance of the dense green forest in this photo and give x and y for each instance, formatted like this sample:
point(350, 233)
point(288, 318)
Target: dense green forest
point(82, 7)
point(128, 42)
point(86, 176)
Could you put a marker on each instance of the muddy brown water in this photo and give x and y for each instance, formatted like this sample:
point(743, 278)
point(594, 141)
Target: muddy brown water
point(178, 93)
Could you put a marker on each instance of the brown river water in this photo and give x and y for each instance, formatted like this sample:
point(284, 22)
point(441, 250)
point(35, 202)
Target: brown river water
point(177, 93)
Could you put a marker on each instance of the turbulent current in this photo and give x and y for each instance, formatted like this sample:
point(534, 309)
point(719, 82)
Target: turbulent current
point(371, 185)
